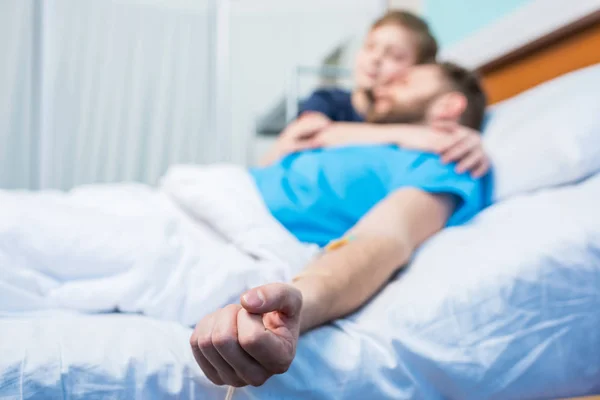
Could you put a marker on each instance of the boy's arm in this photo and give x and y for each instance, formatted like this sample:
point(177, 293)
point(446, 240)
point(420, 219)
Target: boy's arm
point(453, 142)
point(410, 136)
point(297, 136)
point(316, 112)
point(314, 129)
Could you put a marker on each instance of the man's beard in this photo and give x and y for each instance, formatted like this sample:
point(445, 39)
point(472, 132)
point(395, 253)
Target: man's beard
point(398, 113)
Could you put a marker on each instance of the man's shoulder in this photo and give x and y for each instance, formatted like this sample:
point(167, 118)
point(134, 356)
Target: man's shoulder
point(416, 165)
point(428, 173)
point(410, 157)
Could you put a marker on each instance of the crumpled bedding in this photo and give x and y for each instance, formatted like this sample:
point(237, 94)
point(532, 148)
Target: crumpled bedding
point(175, 252)
point(505, 307)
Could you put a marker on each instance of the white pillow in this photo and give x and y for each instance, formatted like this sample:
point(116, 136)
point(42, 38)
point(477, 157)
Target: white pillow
point(546, 136)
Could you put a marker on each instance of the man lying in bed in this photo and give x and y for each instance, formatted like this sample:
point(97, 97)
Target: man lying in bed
point(382, 201)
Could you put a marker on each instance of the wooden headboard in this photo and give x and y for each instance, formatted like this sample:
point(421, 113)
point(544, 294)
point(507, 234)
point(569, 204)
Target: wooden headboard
point(569, 48)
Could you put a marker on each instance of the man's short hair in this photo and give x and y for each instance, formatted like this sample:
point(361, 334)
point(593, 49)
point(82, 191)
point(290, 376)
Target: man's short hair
point(467, 82)
point(427, 46)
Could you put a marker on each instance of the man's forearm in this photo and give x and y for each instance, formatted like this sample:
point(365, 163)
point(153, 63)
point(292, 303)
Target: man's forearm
point(342, 280)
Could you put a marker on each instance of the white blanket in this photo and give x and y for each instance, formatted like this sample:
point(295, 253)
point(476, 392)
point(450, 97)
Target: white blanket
point(505, 307)
point(175, 252)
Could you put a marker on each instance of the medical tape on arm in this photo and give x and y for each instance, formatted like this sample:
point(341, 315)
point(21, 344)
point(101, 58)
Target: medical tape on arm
point(331, 246)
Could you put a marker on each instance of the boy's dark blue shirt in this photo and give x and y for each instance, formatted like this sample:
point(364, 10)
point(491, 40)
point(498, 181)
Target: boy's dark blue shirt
point(333, 102)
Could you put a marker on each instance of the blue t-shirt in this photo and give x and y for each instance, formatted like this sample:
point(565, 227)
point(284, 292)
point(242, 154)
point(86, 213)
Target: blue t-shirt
point(335, 103)
point(319, 195)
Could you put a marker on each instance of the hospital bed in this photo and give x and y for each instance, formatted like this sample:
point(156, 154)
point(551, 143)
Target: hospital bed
point(506, 306)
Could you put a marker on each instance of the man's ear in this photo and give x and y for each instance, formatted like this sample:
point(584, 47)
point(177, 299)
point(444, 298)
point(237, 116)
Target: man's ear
point(448, 106)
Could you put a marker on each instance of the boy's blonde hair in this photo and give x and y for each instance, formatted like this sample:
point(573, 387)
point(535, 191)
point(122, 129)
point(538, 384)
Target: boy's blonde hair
point(427, 47)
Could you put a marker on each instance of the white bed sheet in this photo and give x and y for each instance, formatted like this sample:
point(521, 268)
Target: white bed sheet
point(503, 308)
point(63, 355)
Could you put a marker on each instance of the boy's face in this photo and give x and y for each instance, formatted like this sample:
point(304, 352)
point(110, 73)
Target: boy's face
point(388, 52)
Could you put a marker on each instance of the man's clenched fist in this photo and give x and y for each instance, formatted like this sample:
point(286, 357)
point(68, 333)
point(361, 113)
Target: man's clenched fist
point(246, 344)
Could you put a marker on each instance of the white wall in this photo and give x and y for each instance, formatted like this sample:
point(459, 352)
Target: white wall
point(415, 6)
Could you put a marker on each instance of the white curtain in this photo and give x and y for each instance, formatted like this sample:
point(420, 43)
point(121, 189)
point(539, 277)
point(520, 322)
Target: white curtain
point(117, 90)
point(17, 110)
point(127, 89)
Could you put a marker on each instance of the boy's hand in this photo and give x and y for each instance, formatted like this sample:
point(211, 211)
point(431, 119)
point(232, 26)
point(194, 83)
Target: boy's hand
point(298, 136)
point(305, 127)
point(464, 146)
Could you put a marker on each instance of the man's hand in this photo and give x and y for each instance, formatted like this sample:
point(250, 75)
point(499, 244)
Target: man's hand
point(246, 344)
point(463, 146)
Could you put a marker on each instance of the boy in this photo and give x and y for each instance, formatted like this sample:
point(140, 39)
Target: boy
point(334, 117)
